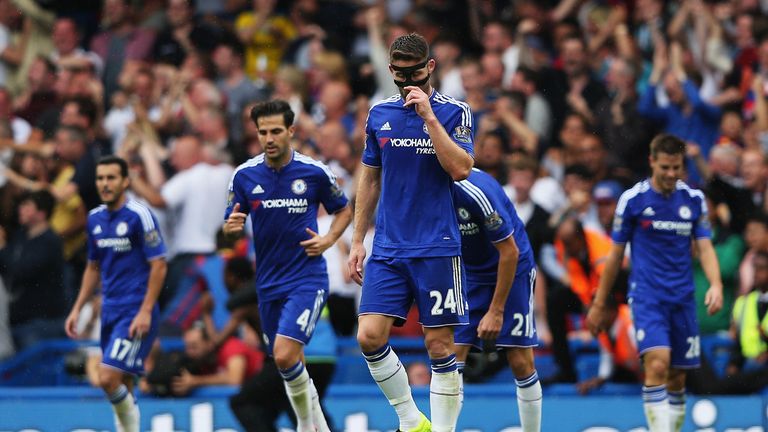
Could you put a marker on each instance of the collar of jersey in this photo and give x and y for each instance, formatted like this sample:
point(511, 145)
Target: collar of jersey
point(293, 157)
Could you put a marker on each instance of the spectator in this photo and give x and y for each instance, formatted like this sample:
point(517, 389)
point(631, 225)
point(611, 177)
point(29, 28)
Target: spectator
point(39, 95)
point(71, 147)
point(418, 374)
point(265, 35)
point(754, 172)
point(750, 351)
point(581, 254)
point(606, 195)
point(619, 361)
point(538, 115)
point(238, 89)
point(184, 34)
point(687, 115)
point(121, 43)
point(195, 220)
point(230, 364)
point(34, 40)
point(626, 134)
point(67, 51)
point(729, 248)
point(756, 239)
point(31, 263)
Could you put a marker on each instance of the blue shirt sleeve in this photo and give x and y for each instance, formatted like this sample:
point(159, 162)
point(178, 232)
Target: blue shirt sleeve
point(151, 240)
point(371, 151)
point(92, 250)
point(623, 221)
point(331, 194)
point(460, 128)
point(235, 195)
point(702, 228)
point(490, 203)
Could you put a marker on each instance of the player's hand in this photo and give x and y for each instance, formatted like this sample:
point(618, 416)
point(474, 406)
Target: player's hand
point(355, 262)
point(235, 223)
point(714, 299)
point(420, 102)
point(490, 325)
point(585, 387)
point(183, 383)
point(316, 245)
point(597, 319)
point(70, 325)
point(140, 324)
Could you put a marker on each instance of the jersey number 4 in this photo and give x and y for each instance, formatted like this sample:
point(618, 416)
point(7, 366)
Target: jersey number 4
point(440, 305)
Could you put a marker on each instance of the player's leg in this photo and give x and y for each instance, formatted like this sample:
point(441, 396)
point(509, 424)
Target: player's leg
point(441, 298)
point(298, 316)
point(652, 331)
point(288, 358)
point(685, 354)
point(529, 395)
point(387, 370)
point(655, 395)
point(385, 298)
point(111, 380)
point(518, 335)
point(122, 358)
point(676, 391)
point(445, 386)
point(462, 351)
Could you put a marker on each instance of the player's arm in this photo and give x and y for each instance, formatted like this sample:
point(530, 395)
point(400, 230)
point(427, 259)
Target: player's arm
point(87, 286)
point(490, 324)
point(597, 317)
point(714, 296)
point(454, 159)
point(318, 244)
point(232, 375)
point(368, 190)
point(143, 320)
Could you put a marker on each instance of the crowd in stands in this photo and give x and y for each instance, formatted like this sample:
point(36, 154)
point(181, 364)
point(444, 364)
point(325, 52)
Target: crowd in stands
point(566, 97)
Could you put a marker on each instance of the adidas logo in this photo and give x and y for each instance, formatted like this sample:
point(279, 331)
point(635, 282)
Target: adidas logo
point(97, 230)
point(386, 126)
point(258, 189)
point(649, 212)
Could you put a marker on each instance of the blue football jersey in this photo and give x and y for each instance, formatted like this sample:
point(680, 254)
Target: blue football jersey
point(660, 229)
point(123, 242)
point(416, 217)
point(282, 205)
point(487, 216)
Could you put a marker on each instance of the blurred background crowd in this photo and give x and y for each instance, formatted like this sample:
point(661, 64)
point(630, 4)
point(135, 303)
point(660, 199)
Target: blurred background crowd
point(566, 97)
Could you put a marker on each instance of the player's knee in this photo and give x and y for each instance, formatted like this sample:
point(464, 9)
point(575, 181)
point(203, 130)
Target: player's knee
point(438, 346)
point(656, 369)
point(370, 339)
point(109, 381)
point(285, 358)
point(521, 363)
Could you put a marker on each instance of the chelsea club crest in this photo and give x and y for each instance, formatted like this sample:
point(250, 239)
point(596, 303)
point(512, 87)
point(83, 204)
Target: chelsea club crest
point(299, 186)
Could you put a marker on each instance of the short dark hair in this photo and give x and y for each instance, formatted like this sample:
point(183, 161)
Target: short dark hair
point(43, 200)
point(85, 107)
point(524, 163)
point(666, 143)
point(240, 268)
point(529, 75)
point(758, 217)
point(273, 107)
point(115, 160)
point(410, 47)
point(580, 171)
